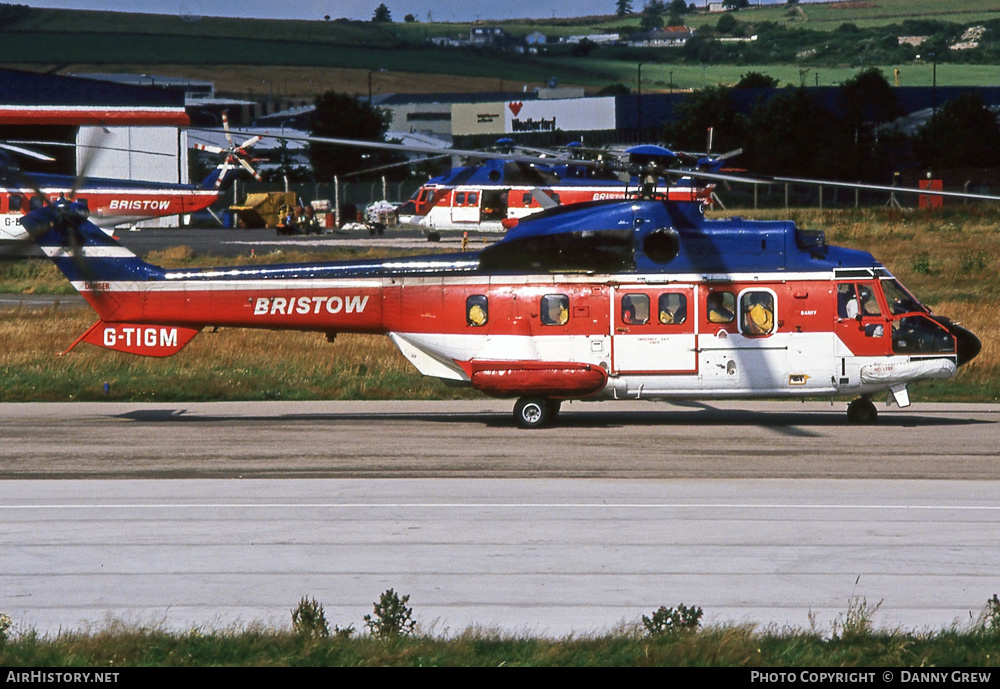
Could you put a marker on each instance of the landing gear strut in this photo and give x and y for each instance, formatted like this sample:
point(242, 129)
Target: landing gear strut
point(862, 411)
point(535, 412)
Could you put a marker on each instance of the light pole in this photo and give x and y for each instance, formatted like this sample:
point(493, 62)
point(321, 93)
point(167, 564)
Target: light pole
point(934, 81)
point(370, 73)
point(933, 57)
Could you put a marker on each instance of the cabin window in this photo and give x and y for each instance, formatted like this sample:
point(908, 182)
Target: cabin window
point(460, 198)
point(473, 199)
point(757, 313)
point(555, 309)
point(15, 202)
point(37, 202)
point(635, 309)
point(526, 199)
point(721, 307)
point(477, 310)
point(672, 308)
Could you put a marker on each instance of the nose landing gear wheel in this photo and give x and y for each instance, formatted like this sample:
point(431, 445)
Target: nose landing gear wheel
point(862, 411)
point(535, 412)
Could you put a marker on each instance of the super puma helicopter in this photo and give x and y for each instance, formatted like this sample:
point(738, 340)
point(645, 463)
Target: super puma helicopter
point(636, 299)
point(116, 202)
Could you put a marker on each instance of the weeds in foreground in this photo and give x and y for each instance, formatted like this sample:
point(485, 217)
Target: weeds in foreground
point(309, 620)
point(665, 621)
point(391, 617)
point(858, 621)
point(856, 643)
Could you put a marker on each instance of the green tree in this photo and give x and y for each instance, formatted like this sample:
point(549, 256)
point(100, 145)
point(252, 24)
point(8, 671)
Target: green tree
point(791, 135)
point(962, 133)
point(711, 107)
point(342, 116)
point(756, 80)
point(382, 14)
point(652, 15)
point(623, 8)
point(868, 98)
point(727, 22)
point(678, 7)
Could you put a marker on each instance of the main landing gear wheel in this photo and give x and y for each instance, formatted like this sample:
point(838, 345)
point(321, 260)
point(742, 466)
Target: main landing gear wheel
point(862, 411)
point(535, 412)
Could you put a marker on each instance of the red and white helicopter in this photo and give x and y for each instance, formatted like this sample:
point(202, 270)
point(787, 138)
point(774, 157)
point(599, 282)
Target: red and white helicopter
point(637, 299)
point(493, 195)
point(115, 202)
point(507, 183)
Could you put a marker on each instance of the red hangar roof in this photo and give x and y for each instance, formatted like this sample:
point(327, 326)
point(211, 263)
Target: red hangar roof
point(28, 98)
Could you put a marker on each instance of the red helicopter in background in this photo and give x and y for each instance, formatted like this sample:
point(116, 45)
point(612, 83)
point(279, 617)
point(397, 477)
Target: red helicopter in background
point(115, 202)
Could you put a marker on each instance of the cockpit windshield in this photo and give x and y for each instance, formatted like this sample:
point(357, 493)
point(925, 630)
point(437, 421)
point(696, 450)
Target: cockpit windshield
point(900, 300)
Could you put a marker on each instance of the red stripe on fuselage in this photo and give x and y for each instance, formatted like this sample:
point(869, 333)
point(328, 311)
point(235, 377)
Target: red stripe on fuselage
point(422, 305)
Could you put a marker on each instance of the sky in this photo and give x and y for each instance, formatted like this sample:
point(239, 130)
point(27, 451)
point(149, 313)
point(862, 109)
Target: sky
point(423, 10)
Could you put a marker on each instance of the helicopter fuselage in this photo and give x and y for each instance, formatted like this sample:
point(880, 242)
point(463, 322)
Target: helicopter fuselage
point(609, 301)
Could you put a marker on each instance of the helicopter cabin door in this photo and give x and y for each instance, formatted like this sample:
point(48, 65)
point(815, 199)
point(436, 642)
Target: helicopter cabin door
point(465, 206)
point(652, 330)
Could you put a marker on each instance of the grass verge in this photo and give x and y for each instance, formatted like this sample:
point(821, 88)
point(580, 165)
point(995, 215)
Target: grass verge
point(743, 646)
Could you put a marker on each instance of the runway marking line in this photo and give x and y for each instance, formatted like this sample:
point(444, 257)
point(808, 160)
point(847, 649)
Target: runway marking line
point(483, 505)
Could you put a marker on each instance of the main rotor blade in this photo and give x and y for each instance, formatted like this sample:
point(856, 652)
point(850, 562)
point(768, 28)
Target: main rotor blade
point(408, 148)
point(209, 148)
point(761, 179)
point(28, 153)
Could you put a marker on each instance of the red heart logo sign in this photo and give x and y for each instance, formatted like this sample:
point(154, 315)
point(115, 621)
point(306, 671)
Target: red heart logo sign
point(515, 107)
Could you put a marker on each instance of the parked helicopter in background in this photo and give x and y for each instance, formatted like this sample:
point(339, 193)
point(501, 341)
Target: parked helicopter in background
point(116, 202)
point(506, 182)
point(641, 298)
point(493, 194)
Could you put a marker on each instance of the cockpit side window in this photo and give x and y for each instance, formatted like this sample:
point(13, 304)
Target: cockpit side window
point(847, 301)
point(900, 301)
point(869, 303)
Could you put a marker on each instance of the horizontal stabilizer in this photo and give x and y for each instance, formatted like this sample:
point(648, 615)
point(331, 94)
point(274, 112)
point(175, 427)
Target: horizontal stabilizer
point(133, 338)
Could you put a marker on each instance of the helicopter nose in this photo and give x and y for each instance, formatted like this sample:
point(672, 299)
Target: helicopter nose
point(967, 345)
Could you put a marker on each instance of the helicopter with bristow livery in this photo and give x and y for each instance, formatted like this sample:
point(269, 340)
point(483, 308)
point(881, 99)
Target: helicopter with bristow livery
point(494, 194)
point(642, 298)
point(116, 202)
point(505, 183)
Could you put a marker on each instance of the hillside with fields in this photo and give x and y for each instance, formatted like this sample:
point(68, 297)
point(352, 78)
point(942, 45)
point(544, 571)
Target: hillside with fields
point(815, 44)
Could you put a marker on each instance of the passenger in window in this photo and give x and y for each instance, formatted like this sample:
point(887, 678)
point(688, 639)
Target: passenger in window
point(718, 309)
point(628, 312)
point(758, 315)
point(555, 309)
point(477, 314)
point(635, 309)
point(673, 308)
